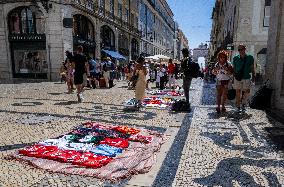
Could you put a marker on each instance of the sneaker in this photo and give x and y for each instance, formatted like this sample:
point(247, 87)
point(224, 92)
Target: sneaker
point(79, 98)
point(238, 110)
point(243, 107)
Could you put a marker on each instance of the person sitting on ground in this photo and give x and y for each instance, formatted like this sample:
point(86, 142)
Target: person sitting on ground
point(223, 69)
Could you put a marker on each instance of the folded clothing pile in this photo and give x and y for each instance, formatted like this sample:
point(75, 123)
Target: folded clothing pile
point(175, 92)
point(157, 102)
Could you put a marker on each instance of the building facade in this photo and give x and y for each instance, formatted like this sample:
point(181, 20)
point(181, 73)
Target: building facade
point(201, 51)
point(241, 21)
point(158, 28)
point(275, 54)
point(182, 42)
point(36, 34)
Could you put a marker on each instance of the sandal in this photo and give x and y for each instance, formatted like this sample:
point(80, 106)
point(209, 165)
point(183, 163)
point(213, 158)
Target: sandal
point(224, 110)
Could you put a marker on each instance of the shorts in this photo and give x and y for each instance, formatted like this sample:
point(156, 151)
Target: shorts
point(96, 76)
point(222, 83)
point(244, 84)
point(78, 79)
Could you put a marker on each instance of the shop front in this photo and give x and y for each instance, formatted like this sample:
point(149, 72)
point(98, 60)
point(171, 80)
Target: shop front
point(83, 34)
point(28, 43)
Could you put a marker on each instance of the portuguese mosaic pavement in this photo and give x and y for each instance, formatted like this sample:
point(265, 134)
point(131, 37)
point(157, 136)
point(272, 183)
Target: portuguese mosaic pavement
point(204, 149)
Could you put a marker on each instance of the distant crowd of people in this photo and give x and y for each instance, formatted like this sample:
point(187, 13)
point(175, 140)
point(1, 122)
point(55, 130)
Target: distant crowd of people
point(82, 71)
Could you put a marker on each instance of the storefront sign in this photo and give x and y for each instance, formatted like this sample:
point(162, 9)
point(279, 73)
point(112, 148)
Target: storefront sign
point(80, 41)
point(22, 37)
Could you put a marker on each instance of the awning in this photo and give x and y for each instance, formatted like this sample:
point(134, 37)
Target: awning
point(262, 51)
point(114, 54)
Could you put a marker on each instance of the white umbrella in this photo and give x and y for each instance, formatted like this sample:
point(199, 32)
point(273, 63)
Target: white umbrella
point(162, 57)
point(151, 57)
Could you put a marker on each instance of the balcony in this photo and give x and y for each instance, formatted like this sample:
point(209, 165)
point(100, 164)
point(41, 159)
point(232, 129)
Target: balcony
point(91, 8)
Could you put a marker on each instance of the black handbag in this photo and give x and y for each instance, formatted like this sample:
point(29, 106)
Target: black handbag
point(231, 95)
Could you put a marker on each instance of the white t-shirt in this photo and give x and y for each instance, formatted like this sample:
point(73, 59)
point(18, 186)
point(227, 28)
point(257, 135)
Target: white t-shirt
point(222, 74)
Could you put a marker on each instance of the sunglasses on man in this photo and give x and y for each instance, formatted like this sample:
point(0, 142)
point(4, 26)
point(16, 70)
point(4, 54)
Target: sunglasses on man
point(241, 49)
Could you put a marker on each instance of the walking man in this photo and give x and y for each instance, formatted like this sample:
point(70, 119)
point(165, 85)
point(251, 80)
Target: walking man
point(185, 68)
point(243, 65)
point(81, 72)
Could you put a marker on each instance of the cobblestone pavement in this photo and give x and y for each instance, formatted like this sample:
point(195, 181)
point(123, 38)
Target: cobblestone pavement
point(36, 111)
point(231, 149)
point(207, 150)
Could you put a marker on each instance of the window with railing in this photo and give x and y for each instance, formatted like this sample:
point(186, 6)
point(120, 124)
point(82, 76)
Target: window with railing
point(102, 7)
point(266, 13)
point(111, 6)
point(119, 10)
point(126, 14)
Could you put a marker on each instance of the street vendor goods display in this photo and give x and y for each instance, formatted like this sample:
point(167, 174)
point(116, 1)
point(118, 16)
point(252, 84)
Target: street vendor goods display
point(151, 102)
point(157, 102)
point(176, 92)
point(99, 150)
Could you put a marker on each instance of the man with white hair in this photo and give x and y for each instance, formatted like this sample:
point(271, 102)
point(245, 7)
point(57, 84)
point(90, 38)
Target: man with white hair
point(243, 68)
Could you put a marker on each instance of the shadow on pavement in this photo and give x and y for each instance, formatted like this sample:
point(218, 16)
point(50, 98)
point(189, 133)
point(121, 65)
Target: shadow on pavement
point(167, 172)
point(15, 146)
point(66, 103)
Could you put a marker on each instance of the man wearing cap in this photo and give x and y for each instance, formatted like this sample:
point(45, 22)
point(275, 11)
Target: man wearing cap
point(187, 78)
point(243, 68)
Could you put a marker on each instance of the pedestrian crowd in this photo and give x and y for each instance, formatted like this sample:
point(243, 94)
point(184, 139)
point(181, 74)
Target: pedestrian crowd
point(237, 75)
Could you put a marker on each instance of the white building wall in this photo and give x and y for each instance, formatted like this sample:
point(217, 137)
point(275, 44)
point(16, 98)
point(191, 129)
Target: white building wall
point(5, 65)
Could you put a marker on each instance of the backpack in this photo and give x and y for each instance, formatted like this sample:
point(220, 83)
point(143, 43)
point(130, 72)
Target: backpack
point(180, 106)
point(91, 67)
point(191, 69)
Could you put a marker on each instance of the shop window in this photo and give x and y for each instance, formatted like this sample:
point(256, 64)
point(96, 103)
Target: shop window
point(30, 61)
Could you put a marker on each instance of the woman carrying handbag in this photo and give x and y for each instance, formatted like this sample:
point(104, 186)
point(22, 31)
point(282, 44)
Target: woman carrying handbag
point(223, 69)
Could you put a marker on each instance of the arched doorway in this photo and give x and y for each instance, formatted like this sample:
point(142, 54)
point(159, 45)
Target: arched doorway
point(28, 42)
point(134, 49)
point(107, 38)
point(84, 34)
point(123, 45)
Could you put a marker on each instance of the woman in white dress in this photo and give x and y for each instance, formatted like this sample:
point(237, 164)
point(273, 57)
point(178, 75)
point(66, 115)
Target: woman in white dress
point(223, 69)
point(140, 87)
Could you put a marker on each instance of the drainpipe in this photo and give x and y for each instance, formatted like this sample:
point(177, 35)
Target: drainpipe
point(49, 62)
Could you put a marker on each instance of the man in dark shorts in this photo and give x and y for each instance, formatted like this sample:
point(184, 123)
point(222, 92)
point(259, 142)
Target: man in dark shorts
point(81, 72)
